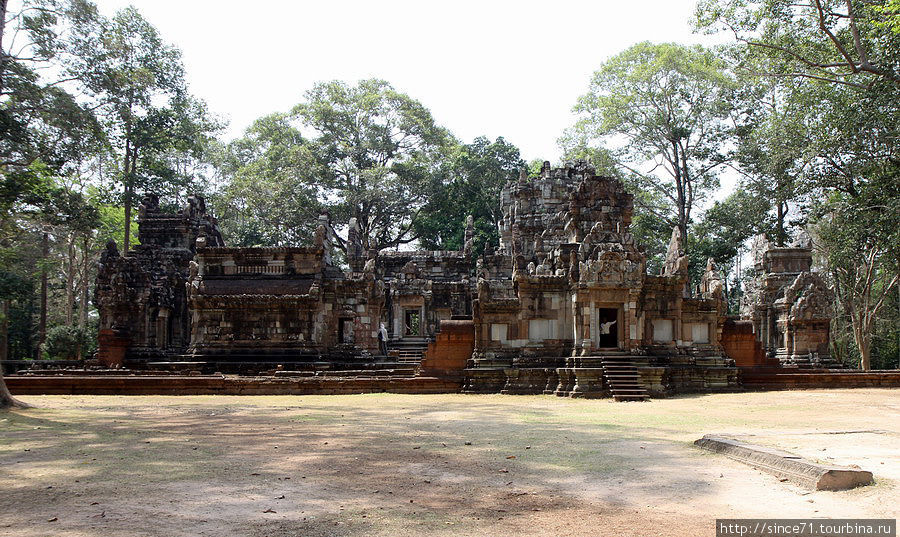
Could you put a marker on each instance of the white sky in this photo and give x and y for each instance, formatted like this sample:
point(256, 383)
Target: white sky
point(494, 68)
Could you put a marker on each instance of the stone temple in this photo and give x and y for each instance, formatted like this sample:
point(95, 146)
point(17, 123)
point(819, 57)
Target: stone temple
point(564, 305)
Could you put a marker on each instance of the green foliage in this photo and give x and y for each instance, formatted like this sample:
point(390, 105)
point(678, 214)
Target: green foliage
point(66, 343)
point(271, 197)
point(824, 132)
point(773, 153)
point(42, 122)
point(372, 153)
point(891, 12)
point(534, 168)
point(662, 110)
point(839, 41)
point(720, 234)
point(155, 131)
point(22, 335)
point(860, 236)
point(381, 151)
point(111, 224)
point(476, 174)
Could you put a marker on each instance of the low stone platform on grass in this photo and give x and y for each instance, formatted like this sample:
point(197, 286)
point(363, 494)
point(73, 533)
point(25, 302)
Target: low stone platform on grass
point(795, 378)
point(789, 466)
point(224, 385)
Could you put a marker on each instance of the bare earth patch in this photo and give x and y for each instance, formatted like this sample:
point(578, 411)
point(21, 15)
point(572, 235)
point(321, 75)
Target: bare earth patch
point(428, 464)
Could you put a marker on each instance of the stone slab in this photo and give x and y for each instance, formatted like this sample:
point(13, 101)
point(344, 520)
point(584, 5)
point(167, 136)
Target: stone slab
point(786, 465)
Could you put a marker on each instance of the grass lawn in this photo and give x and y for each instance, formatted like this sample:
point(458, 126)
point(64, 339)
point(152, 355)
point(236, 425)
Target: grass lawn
point(384, 464)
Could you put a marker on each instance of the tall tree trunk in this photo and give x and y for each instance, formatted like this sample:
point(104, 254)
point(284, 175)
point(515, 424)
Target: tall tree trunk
point(70, 281)
point(42, 323)
point(2, 55)
point(780, 233)
point(128, 170)
point(85, 285)
point(128, 194)
point(681, 201)
point(864, 343)
point(6, 398)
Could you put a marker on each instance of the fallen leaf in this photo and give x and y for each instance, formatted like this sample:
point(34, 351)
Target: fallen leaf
point(54, 519)
point(269, 511)
point(511, 457)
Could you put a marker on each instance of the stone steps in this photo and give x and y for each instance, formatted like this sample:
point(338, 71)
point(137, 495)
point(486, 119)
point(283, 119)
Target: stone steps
point(622, 377)
point(408, 351)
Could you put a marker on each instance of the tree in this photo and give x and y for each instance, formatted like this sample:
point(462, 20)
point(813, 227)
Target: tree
point(476, 175)
point(721, 233)
point(848, 42)
point(836, 64)
point(664, 108)
point(135, 82)
point(861, 239)
point(271, 197)
point(651, 231)
point(773, 150)
point(380, 150)
point(15, 188)
point(855, 133)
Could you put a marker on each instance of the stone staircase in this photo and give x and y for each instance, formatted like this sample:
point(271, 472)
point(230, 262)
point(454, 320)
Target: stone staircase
point(622, 378)
point(408, 350)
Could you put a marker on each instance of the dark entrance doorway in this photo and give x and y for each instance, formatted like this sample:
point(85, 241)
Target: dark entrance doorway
point(345, 331)
point(608, 328)
point(413, 323)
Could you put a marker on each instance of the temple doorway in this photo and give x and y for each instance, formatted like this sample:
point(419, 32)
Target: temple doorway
point(345, 331)
point(413, 323)
point(608, 328)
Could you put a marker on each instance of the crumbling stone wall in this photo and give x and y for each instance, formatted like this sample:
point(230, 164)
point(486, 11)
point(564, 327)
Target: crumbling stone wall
point(279, 301)
point(788, 303)
point(568, 285)
point(141, 296)
point(565, 290)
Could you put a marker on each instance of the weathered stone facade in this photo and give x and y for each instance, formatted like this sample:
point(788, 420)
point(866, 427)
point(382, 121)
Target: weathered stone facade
point(564, 305)
point(565, 300)
point(788, 303)
point(141, 296)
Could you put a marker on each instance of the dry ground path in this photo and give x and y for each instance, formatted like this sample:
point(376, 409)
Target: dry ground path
point(395, 465)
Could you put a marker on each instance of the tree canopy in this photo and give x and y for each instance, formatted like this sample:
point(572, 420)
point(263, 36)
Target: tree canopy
point(380, 151)
point(662, 110)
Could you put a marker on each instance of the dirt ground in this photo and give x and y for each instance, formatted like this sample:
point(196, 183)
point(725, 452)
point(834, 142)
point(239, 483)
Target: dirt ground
point(394, 465)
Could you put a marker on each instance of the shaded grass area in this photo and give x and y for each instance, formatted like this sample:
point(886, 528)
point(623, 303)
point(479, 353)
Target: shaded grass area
point(383, 464)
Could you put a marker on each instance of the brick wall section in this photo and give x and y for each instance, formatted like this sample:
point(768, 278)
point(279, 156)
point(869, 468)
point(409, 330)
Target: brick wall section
point(447, 355)
point(740, 344)
point(111, 348)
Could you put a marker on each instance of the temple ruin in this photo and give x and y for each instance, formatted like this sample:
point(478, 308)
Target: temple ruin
point(563, 305)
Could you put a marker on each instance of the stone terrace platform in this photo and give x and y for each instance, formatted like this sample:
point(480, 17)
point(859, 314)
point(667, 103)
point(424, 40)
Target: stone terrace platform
point(156, 384)
point(798, 379)
point(149, 382)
